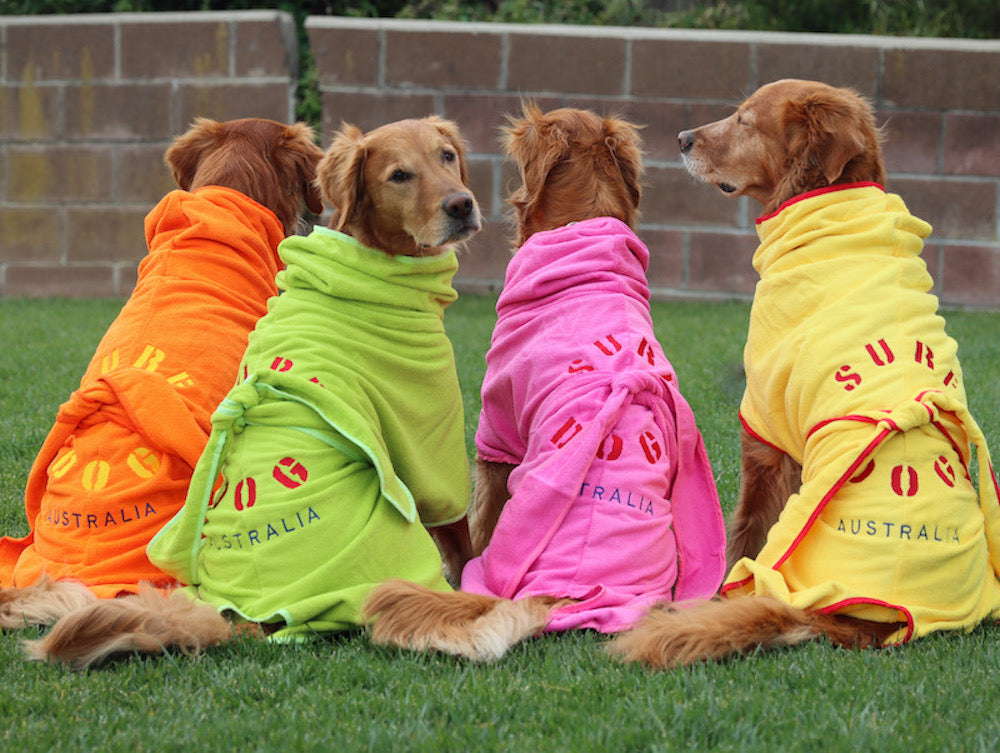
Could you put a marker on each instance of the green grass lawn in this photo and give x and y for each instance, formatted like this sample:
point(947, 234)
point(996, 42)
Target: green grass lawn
point(556, 693)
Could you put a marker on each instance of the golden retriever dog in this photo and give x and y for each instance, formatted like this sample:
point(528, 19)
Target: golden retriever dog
point(857, 516)
point(272, 163)
point(342, 444)
point(116, 465)
point(594, 497)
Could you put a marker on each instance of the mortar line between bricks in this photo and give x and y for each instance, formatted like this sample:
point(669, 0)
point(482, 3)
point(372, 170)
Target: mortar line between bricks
point(627, 72)
point(939, 270)
point(497, 186)
point(997, 219)
point(233, 27)
point(115, 179)
point(111, 82)
point(942, 136)
point(690, 228)
point(685, 258)
point(504, 62)
point(62, 217)
point(688, 293)
point(116, 36)
point(383, 43)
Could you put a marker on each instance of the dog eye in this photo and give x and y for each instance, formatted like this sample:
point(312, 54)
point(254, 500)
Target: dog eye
point(449, 156)
point(400, 176)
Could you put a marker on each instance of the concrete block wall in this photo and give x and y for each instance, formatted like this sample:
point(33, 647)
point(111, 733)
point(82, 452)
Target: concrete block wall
point(939, 98)
point(89, 104)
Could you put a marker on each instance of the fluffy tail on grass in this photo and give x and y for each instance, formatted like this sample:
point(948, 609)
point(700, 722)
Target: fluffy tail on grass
point(42, 603)
point(715, 630)
point(149, 622)
point(481, 628)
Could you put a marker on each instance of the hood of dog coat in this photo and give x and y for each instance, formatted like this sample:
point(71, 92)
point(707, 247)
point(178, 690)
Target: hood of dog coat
point(344, 268)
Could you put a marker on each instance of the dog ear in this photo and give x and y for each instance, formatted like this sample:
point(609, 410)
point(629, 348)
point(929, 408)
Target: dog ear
point(623, 141)
point(450, 131)
point(825, 130)
point(537, 146)
point(340, 174)
point(304, 156)
point(188, 149)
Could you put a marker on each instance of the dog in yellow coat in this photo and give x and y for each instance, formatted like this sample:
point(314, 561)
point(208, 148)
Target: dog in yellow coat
point(858, 517)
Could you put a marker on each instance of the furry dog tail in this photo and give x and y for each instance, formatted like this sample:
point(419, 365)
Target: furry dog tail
point(42, 603)
point(481, 628)
point(717, 629)
point(148, 622)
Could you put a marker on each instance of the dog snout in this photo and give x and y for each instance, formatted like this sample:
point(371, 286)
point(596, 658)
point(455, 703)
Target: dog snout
point(686, 141)
point(458, 205)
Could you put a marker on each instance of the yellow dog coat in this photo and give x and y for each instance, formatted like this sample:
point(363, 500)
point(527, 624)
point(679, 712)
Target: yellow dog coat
point(849, 371)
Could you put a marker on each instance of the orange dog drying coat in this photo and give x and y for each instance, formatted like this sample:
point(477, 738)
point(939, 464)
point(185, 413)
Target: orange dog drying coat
point(117, 463)
point(850, 371)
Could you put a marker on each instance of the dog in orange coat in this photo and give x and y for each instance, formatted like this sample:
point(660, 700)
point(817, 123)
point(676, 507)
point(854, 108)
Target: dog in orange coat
point(117, 463)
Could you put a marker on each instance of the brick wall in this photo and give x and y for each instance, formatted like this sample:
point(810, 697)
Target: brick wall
point(940, 98)
point(88, 105)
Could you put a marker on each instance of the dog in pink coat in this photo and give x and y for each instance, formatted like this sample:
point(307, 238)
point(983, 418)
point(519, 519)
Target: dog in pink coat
point(595, 499)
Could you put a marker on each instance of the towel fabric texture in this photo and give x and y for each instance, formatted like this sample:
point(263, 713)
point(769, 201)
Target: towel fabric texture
point(344, 439)
point(850, 371)
point(613, 502)
point(117, 463)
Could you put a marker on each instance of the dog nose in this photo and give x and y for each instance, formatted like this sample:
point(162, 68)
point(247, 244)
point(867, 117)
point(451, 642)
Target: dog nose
point(686, 140)
point(458, 205)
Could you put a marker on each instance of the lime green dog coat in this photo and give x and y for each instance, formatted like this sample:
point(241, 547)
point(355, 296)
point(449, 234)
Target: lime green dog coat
point(850, 371)
point(344, 439)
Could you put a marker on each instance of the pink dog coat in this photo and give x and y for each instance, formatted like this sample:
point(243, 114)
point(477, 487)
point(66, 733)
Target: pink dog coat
point(613, 502)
